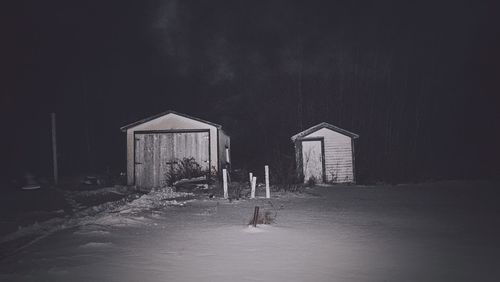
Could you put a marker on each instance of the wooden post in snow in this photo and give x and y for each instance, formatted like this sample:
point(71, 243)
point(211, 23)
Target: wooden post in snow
point(255, 218)
point(250, 179)
point(268, 192)
point(224, 181)
point(54, 148)
point(254, 183)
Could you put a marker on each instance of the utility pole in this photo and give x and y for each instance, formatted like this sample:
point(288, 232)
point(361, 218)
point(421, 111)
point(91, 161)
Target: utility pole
point(54, 148)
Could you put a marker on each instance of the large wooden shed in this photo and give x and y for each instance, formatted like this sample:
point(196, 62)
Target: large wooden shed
point(155, 143)
point(325, 153)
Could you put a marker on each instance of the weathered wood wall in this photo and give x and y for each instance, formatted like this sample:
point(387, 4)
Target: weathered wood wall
point(169, 122)
point(157, 153)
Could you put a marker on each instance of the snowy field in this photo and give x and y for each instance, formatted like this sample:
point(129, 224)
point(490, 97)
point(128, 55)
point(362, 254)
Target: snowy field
point(447, 231)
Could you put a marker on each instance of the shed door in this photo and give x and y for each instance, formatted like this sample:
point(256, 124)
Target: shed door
point(312, 160)
point(157, 153)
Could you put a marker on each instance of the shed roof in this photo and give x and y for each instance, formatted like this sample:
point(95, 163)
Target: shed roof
point(324, 125)
point(124, 128)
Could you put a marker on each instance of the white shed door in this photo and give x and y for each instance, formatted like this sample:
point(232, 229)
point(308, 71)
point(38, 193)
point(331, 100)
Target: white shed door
point(312, 160)
point(157, 153)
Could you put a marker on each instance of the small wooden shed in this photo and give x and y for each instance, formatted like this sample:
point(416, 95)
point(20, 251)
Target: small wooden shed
point(325, 153)
point(155, 143)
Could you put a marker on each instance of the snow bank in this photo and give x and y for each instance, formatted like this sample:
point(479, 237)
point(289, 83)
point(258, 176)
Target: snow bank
point(154, 200)
point(190, 180)
point(326, 234)
point(121, 213)
point(96, 245)
point(258, 229)
point(92, 232)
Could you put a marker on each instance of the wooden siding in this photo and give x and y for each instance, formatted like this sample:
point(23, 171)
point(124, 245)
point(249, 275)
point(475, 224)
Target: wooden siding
point(156, 153)
point(169, 122)
point(338, 155)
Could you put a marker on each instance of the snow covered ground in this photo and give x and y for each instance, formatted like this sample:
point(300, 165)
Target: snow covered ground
point(447, 231)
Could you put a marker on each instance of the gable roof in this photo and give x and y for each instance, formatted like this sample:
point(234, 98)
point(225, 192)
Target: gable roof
point(124, 128)
point(324, 125)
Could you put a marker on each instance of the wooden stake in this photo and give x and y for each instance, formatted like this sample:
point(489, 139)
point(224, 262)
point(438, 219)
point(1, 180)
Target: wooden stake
point(224, 181)
point(268, 191)
point(255, 218)
point(54, 148)
point(254, 183)
point(250, 178)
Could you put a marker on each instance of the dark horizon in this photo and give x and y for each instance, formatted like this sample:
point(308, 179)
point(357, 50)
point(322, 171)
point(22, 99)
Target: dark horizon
point(418, 81)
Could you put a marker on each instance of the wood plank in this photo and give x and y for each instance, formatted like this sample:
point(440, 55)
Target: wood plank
point(158, 151)
point(148, 161)
point(205, 150)
point(157, 160)
point(139, 159)
point(162, 144)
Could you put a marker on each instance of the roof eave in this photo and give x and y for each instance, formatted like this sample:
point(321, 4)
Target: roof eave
point(321, 126)
point(144, 120)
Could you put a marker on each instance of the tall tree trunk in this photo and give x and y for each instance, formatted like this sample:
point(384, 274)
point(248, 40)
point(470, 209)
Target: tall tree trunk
point(86, 123)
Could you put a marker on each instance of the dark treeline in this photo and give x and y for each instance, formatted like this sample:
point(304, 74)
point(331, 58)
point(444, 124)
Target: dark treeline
point(417, 81)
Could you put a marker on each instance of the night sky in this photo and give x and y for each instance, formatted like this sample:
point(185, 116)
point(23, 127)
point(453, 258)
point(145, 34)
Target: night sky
point(417, 80)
